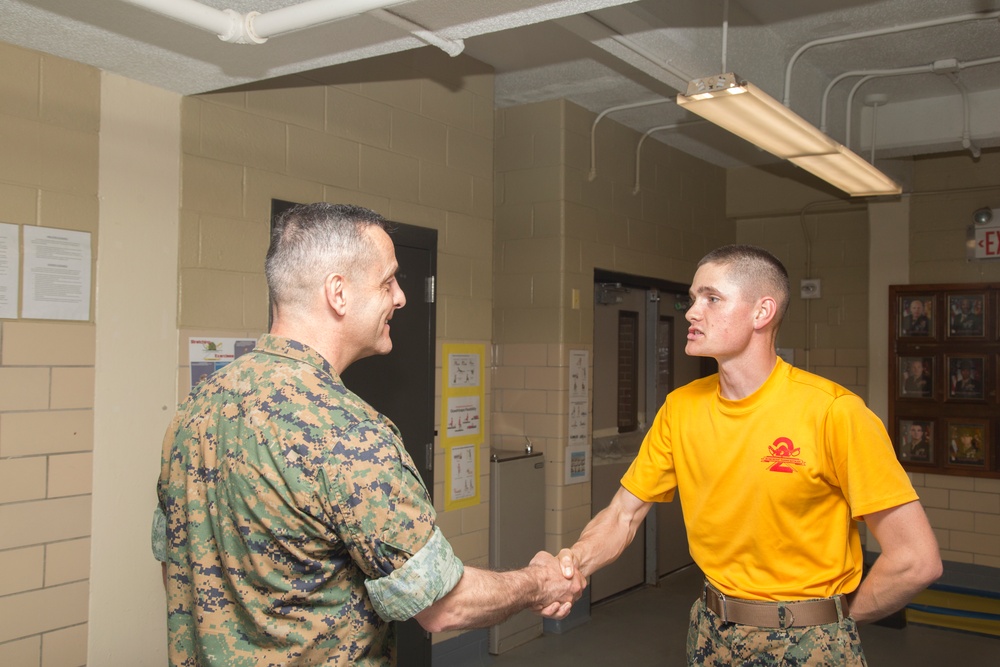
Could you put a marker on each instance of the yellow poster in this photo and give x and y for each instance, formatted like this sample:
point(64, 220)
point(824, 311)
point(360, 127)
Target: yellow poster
point(461, 430)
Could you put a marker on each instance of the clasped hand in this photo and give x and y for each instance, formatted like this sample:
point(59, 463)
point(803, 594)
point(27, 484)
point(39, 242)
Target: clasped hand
point(561, 582)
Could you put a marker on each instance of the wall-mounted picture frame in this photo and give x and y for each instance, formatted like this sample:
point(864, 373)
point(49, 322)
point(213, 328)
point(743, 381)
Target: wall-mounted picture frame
point(966, 377)
point(944, 387)
point(916, 316)
point(968, 443)
point(916, 377)
point(915, 440)
point(967, 315)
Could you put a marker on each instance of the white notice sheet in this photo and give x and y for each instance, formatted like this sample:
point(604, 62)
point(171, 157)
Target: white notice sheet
point(8, 270)
point(56, 274)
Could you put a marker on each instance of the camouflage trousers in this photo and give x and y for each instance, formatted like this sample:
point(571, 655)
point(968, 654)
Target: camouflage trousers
point(712, 642)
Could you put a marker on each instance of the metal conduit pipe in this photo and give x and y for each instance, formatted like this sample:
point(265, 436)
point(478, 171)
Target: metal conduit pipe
point(967, 116)
point(255, 27)
point(642, 139)
point(593, 129)
point(875, 33)
point(858, 72)
point(902, 71)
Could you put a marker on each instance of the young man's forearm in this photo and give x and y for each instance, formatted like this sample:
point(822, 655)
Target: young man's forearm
point(607, 535)
point(909, 562)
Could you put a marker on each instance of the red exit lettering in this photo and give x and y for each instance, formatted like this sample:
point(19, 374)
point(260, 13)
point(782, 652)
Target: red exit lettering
point(992, 243)
point(988, 242)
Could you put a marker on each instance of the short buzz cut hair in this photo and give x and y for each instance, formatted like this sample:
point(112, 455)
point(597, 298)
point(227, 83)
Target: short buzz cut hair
point(310, 241)
point(757, 271)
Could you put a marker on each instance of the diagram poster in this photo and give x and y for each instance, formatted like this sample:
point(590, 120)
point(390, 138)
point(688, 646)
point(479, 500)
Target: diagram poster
point(578, 448)
point(461, 423)
point(208, 355)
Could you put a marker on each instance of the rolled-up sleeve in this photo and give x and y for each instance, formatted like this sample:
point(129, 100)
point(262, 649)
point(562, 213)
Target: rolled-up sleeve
point(158, 534)
point(425, 578)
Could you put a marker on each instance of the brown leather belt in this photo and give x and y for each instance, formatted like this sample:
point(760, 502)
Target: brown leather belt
point(795, 614)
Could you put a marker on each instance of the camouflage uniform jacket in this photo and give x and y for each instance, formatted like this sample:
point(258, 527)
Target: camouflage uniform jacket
point(295, 523)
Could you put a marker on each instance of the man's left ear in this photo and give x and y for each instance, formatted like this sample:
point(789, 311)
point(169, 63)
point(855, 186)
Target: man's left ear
point(766, 310)
point(335, 291)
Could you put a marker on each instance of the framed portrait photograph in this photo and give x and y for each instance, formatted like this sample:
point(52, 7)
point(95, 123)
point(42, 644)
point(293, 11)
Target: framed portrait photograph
point(966, 315)
point(966, 377)
point(915, 440)
point(916, 377)
point(916, 316)
point(968, 443)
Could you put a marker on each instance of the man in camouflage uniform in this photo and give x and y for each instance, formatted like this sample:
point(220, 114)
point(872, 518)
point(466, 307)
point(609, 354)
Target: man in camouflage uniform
point(775, 467)
point(296, 526)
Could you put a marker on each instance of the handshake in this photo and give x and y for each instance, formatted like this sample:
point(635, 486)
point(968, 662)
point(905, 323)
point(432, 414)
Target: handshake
point(560, 583)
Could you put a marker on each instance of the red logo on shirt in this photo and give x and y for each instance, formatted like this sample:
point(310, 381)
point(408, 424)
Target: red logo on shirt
point(783, 454)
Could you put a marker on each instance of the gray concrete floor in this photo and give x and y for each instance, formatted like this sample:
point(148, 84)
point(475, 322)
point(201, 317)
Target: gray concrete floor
point(647, 627)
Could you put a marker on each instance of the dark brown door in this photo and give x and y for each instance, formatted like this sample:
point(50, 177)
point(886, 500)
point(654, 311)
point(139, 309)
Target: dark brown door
point(400, 384)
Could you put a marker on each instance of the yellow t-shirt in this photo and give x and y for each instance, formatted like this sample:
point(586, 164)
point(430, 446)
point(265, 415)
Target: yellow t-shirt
point(771, 485)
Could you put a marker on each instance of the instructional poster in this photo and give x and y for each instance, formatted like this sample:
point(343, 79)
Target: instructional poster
point(56, 274)
point(461, 423)
point(208, 355)
point(578, 450)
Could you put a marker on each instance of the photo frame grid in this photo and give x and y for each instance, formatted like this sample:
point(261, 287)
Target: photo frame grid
point(944, 370)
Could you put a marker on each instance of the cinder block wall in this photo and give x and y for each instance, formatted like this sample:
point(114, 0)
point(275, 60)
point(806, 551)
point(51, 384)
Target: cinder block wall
point(554, 226)
point(964, 511)
point(49, 121)
point(408, 135)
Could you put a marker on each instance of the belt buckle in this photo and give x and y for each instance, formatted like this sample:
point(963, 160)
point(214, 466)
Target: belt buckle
point(786, 617)
point(722, 599)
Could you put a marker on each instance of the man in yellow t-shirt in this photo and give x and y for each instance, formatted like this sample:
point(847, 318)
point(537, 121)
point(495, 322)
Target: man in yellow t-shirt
point(774, 466)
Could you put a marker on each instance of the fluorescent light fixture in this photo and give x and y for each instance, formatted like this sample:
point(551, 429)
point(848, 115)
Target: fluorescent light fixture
point(749, 112)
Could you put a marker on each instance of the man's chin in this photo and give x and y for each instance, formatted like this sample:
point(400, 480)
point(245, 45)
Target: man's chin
point(691, 350)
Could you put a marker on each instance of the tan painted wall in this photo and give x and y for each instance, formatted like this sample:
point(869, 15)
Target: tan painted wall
point(554, 226)
point(965, 512)
point(136, 365)
point(49, 120)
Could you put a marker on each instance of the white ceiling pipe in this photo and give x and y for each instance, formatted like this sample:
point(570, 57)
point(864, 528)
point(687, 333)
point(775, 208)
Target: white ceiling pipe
point(901, 71)
point(642, 139)
point(875, 33)
point(312, 12)
point(861, 72)
point(191, 12)
point(966, 132)
point(452, 47)
point(255, 27)
point(593, 129)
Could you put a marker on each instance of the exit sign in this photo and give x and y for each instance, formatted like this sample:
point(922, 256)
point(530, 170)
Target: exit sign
point(986, 242)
